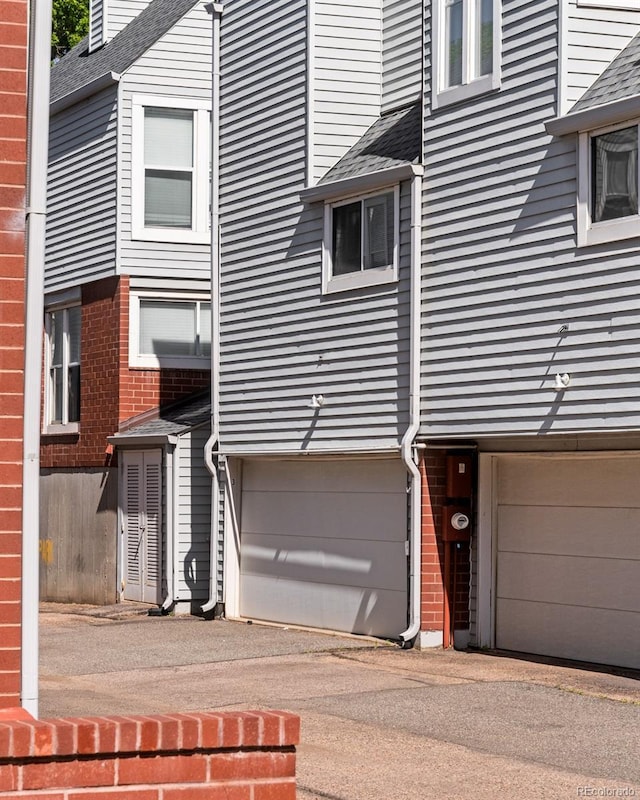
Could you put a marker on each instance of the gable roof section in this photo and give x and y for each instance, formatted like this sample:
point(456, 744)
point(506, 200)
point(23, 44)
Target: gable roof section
point(79, 68)
point(393, 140)
point(174, 420)
point(612, 98)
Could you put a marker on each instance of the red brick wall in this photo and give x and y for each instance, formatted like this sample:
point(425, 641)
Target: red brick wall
point(218, 756)
point(13, 49)
point(433, 470)
point(110, 390)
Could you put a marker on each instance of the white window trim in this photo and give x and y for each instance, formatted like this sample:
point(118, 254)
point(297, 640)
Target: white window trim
point(367, 277)
point(161, 362)
point(593, 233)
point(620, 5)
point(56, 427)
point(470, 87)
point(199, 233)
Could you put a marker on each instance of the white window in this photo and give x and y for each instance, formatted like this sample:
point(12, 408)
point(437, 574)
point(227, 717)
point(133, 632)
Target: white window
point(608, 185)
point(467, 36)
point(170, 170)
point(170, 332)
point(620, 5)
point(62, 390)
point(361, 241)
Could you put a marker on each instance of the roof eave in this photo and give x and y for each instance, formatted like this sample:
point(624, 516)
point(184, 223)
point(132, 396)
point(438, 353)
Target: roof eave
point(137, 440)
point(360, 183)
point(84, 91)
point(596, 117)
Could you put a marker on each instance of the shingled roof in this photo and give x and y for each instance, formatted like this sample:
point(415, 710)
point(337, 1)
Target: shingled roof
point(171, 421)
point(393, 140)
point(79, 67)
point(620, 79)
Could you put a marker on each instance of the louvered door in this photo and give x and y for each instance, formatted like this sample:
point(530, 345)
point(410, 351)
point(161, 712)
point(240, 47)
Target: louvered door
point(142, 525)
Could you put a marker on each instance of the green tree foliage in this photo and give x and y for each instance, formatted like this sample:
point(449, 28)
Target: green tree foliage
point(70, 22)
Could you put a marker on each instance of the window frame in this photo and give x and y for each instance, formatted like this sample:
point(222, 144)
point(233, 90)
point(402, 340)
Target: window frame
point(152, 361)
point(470, 86)
point(199, 233)
point(619, 5)
point(374, 276)
point(594, 233)
point(65, 426)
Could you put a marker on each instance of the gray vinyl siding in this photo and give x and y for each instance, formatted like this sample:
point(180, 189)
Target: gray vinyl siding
point(96, 24)
point(193, 514)
point(594, 37)
point(121, 12)
point(347, 77)
point(401, 52)
point(501, 270)
point(164, 71)
point(81, 193)
point(282, 341)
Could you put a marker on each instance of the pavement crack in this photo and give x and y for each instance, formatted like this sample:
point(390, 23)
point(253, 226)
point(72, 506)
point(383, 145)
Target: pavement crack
point(320, 794)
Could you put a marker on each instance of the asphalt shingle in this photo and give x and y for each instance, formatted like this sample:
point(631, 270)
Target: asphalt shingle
point(175, 419)
point(619, 80)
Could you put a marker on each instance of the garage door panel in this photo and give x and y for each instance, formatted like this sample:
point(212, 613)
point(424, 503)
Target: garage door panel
point(597, 532)
point(612, 637)
point(600, 482)
point(372, 612)
point(357, 515)
point(325, 476)
point(591, 582)
point(343, 563)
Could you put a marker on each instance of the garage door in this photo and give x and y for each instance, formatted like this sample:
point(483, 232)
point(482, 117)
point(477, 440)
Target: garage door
point(323, 544)
point(568, 558)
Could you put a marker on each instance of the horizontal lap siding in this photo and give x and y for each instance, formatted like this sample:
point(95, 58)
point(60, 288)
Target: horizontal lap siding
point(164, 71)
point(401, 52)
point(194, 516)
point(121, 12)
point(82, 188)
point(282, 341)
point(347, 76)
point(594, 37)
point(501, 270)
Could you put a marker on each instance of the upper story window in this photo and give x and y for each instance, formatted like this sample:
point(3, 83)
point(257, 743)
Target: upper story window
point(170, 332)
point(62, 388)
point(361, 241)
point(170, 170)
point(608, 185)
point(467, 37)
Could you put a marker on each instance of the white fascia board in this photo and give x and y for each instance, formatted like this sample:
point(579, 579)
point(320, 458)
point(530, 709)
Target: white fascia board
point(143, 440)
point(359, 184)
point(597, 117)
point(82, 92)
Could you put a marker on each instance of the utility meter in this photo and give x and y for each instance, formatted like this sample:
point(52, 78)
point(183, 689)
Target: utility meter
point(456, 525)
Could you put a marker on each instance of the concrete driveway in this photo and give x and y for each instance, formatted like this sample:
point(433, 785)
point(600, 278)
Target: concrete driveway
point(377, 722)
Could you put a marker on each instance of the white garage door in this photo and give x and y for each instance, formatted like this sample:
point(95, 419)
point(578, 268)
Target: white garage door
point(323, 544)
point(568, 558)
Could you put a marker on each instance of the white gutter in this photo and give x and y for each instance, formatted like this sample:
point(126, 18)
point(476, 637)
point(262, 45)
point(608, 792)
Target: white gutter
point(360, 183)
point(171, 534)
point(590, 118)
point(415, 549)
point(215, 9)
point(37, 157)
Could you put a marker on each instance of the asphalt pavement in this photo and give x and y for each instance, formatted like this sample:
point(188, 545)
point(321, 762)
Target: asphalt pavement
point(378, 722)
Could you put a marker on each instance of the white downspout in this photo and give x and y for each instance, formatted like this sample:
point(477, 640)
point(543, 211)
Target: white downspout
point(415, 548)
point(171, 530)
point(37, 157)
point(215, 9)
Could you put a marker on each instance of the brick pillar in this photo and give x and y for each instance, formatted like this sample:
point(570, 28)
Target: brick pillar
point(13, 75)
point(433, 471)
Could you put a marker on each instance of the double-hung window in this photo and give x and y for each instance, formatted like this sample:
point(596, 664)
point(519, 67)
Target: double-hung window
point(608, 185)
point(467, 37)
point(170, 332)
point(170, 170)
point(62, 390)
point(361, 241)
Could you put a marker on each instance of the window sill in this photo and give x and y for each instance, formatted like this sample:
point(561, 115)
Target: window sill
point(611, 231)
point(70, 429)
point(359, 280)
point(458, 94)
point(179, 362)
point(170, 235)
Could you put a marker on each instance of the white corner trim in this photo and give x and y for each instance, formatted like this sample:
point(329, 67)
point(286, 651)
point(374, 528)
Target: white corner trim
point(607, 114)
point(359, 184)
point(83, 92)
point(487, 483)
